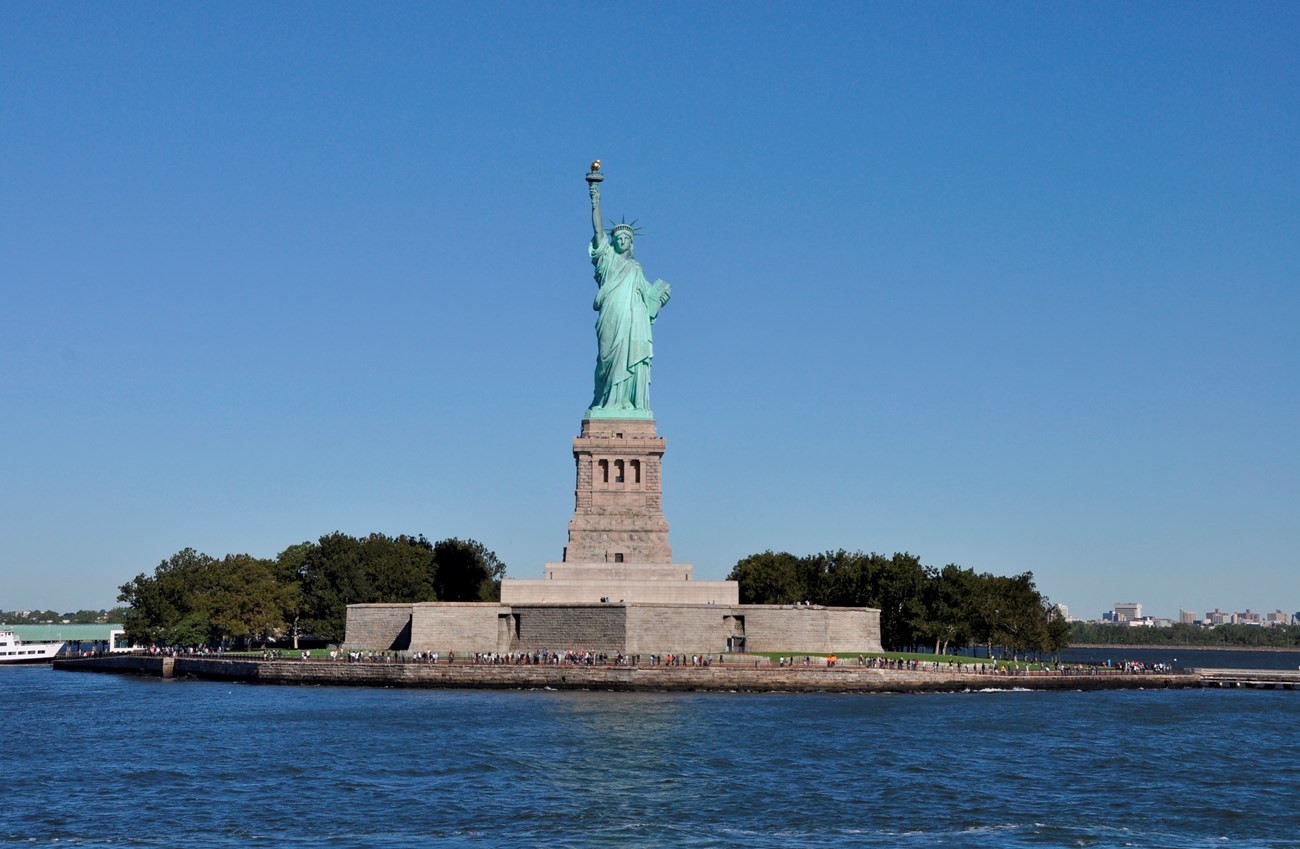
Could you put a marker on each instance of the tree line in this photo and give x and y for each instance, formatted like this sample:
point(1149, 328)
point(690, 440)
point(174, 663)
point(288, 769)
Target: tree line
point(194, 599)
point(50, 617)
point(946, 609)
point(1182, 634)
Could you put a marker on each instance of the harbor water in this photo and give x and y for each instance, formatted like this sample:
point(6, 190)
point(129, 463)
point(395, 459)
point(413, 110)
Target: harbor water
point(106, 760)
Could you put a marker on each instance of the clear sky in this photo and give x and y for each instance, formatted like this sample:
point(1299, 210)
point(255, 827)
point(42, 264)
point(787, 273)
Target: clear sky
point(1013, 286)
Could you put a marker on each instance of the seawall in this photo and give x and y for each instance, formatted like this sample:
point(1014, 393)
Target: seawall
point(716, 678)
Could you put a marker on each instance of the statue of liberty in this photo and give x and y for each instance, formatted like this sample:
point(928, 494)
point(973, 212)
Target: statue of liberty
point(628, 305)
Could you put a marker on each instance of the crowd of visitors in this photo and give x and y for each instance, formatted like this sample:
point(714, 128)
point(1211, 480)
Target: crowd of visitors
point(583, 657)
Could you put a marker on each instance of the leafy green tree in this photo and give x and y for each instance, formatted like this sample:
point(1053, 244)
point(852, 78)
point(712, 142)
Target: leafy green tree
point(1058, 630)
point(768, 578)
point(340, 570)
point(247, 600)
point(901, 600)
point(1009, 612)
point(841, 579)
point(948, 605)
point(894, 585)
point(333, 578)
point(1025, 622)
point(987, 611)
point(173, 595)
point(844, 579)
point(400, 569)
point(193, 629)
point(811, 573)
point(466, 571)
point(950, 608)
point(290, 566)
point(192, 598)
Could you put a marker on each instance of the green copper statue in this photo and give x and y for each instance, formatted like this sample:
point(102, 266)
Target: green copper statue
point(628, 305)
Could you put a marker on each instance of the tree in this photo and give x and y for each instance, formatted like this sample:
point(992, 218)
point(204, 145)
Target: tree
point(341, 570)
point(192, 598)
point(1010, 612)
point(1058, 629)
point(768, 578)
point(901, 600)
point(948, 604)
point(289, 567)
point(247, 600)
point(332, 578)
point(844, 579)
point(466, 571)
point(399, 569)
point(1025, 621)
point(169, 607)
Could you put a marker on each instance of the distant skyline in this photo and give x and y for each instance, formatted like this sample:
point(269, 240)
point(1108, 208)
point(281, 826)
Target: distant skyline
point(1008, 286)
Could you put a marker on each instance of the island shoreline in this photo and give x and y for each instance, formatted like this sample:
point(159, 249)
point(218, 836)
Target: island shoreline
point(715, 678)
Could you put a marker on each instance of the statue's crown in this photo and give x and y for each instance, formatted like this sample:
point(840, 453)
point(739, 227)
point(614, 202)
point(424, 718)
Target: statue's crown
point(624, 226)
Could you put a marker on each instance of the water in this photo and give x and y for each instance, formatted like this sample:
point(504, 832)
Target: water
point(102, 760)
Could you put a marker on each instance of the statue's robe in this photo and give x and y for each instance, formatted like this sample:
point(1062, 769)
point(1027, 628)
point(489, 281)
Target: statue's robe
point(628, 305)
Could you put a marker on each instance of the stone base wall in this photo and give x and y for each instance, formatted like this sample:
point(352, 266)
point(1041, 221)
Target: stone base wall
point(378, 626)
point(661, 629)
point(597, 627)
point(853, 630)
point(466, 628)
point(462, 627)
point(586, 591)
point(778, 628)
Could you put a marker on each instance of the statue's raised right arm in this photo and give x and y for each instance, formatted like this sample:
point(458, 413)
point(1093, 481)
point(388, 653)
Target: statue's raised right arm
point(598, 231)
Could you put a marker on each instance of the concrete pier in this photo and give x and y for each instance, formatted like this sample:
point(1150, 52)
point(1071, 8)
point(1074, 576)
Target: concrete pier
point(1259, 679)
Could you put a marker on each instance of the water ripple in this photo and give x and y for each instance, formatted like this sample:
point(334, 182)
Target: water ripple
point(150, 763)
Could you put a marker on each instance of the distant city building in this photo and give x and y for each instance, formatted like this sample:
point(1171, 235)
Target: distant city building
point(1277, 618)
point(1246, 617)
point(1063, 612)
point(1186, 617)
point(1217, 617)
point(1126, 611)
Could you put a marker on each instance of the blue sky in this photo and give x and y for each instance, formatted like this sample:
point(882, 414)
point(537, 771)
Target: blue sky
point(1013, 286)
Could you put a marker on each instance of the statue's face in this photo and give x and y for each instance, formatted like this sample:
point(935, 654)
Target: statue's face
point(622, 241)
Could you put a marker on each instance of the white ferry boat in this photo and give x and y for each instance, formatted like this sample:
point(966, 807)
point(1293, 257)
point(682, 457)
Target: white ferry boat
point(13, 650)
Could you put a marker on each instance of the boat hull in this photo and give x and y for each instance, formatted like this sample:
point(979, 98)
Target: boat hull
point(24, 661)
point(14, 652)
